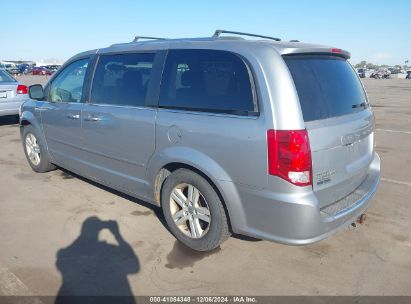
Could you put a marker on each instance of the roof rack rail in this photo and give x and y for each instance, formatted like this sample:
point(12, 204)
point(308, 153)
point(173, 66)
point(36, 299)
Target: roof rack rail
point(147, 37)
point(217, 34)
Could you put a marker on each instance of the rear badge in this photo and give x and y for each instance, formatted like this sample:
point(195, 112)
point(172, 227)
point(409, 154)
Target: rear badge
point(325, 177)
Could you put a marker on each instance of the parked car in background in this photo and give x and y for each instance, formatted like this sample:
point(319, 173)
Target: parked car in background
point(264, 138)
point(394, 70)
point(12, 69)
point(12, 94)
point(408, 76)
point(361, 72)
point(24, 68)
point(41, 71)
point(53, 68)
point(381, 74)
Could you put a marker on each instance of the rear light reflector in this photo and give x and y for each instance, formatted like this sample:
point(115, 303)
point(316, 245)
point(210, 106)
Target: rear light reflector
point(21, 89)
point(336, 51)
point(289, 156)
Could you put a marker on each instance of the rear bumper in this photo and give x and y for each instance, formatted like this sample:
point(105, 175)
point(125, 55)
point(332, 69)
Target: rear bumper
point(10, 107)
point(297, 219)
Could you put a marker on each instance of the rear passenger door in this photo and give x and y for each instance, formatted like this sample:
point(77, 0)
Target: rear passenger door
point(208, 110)
point(118, 126)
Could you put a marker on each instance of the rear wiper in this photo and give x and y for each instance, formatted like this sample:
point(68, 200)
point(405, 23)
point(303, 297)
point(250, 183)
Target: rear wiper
point(360, 105)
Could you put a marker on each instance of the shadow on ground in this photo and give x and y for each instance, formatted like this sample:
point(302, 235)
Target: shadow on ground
point(92, 268)
point(156, 210)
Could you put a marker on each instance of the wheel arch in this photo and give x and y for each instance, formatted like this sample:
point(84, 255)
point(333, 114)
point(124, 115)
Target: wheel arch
point(170, 167)
point(164, 161)
point(28, 118)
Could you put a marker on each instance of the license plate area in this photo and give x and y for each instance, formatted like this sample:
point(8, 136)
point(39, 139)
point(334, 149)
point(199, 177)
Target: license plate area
point(3, 94)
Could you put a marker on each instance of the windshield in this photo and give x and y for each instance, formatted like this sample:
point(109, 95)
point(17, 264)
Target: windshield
point(327, 86)
point(6, 77)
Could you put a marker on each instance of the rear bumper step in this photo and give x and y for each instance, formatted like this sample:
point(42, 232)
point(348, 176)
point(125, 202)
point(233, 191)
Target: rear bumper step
point(344, 205)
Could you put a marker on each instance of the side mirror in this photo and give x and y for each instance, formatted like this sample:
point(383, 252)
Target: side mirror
point(36, 92)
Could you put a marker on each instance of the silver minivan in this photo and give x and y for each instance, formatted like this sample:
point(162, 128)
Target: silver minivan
point(259, 137)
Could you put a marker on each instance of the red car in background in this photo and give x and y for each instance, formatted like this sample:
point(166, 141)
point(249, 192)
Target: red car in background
point(41, 71)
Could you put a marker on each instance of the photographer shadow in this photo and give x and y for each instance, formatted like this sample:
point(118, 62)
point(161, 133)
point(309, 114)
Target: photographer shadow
point(92, 269)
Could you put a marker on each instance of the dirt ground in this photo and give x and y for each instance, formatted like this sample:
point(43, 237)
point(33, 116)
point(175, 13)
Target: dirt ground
point(56, 225)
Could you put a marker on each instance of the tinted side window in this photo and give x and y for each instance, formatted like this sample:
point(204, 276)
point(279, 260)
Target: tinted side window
point(68, 85)
point(122, 79)
point(207, 80)
point(6, 77)
point(327, 86)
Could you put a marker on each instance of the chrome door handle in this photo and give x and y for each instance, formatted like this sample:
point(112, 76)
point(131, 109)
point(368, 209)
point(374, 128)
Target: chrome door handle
point(73, 116)
point(92, 118)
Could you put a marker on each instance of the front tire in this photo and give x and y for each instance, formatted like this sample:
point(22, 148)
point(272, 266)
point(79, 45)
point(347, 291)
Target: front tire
point(193, 211)
point(35, 151)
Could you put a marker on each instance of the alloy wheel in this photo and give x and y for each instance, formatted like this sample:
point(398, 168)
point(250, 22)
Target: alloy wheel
point(190, 211)
point(32, 149)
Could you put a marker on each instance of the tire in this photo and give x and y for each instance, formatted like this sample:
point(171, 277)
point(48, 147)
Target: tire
point(193, 217)
point(32, 143)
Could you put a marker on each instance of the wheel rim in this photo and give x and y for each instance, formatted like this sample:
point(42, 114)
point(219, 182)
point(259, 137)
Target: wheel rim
point(33, 149)
point(190, 211)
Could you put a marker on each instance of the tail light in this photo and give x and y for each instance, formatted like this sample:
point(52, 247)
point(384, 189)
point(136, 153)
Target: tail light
point(336, 51)
point(289, 156)
point(21, 89)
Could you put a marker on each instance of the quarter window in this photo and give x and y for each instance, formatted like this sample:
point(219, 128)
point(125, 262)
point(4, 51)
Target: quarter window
point(207, 80)
point(122, 79)
point(68, 85)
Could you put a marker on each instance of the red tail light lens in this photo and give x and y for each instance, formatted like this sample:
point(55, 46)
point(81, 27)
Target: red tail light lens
point(21, 89)
point(289, 156)
point(336, 51)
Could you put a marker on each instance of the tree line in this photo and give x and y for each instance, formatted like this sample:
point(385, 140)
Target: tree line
point(372, 66)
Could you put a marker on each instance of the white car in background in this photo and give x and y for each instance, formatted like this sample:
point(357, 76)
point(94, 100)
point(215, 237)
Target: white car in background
point(12, 94)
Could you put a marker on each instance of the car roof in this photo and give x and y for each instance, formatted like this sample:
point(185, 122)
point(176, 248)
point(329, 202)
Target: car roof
point(235, 44)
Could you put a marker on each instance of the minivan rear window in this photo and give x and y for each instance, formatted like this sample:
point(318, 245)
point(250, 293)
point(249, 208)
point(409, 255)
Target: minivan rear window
point(327, 86)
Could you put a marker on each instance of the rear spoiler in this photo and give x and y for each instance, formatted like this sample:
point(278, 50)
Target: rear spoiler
point(317, 51)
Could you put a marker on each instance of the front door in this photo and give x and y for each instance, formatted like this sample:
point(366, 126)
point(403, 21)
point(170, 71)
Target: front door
point(118, 128)
point(61, 115)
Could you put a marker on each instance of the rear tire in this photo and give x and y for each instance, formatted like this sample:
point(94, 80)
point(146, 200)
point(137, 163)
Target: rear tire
point(35, 151)
point(193, 211)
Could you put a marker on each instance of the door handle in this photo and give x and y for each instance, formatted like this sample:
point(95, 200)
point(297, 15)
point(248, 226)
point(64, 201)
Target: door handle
point(92, 118)
point(73, 116)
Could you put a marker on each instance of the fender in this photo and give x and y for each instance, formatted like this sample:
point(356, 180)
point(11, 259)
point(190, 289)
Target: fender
point(206, 165)
point(27, 117)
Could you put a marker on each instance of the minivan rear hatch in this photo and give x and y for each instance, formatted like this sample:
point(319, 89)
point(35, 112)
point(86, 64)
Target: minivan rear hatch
point(338, 121)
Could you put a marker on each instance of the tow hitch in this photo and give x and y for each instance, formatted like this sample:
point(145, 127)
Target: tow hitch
point(360, 220)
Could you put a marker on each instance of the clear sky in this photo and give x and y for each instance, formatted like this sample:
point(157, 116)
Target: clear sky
point(378, 31)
